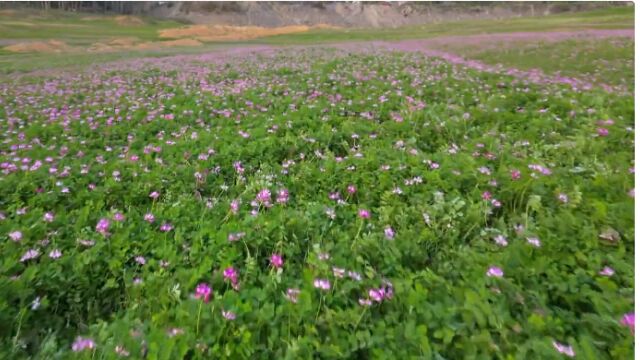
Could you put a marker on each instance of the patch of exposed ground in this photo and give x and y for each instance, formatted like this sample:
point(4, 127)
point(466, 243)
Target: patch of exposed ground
point(129, 43)
point(226, 33)
point(51, 46)
point(128, 20)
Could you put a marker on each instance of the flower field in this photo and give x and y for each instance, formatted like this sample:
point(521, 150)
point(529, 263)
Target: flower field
point(314, 203)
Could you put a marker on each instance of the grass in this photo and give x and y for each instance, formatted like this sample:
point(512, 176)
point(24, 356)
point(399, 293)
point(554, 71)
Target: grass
point(77, 29)
point(612, 18)
point(601, 60)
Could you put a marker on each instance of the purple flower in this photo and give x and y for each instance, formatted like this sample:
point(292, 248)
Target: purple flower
point(118, 216)
point(364, 302)
point(563, 198)
point(276, 261)
point(103, 226)
point(629, 320)
point(494, 271)
point(82, 343)
point(48, 217)
point(154, 195)
point(501, 240)
point(515, 174)
point(534, 241)
point(292, 295)
point(389, 233)
point(15, 236)
point(229, 315)
point(235, 206)
point(283, 196)
point(30, 254)
point(322, 284)
point(603, 132)
point(376, 294)
point(148, 217)
point(486, 195)
point(231, 275)
point(607, 271)
point(140, 260)
point(264, 196)
point(354, 275)
point(166, 227)
point(351, 189)
point(364, 214)
point(203, 291)
point(55, 254)
point(564, 349)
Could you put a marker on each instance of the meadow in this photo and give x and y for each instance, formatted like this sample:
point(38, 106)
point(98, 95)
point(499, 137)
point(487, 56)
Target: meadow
point(318, 202)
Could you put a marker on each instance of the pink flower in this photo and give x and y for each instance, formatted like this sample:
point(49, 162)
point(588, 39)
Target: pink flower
point(55, 254)
point(166, 227)
point(235, 206)
point(629, 320)
point(292, 295)
point(534, 241)
point(376, 294)
point(103, 226)
point(140, 260)
point(203, 291)
point(501, 240)
point(563, 198)
point(264, 196)
point(276, 261)
point(30, 254)
point(15, 236)
point(564, 349)
point(148, 217)
point(154, 195)
point(81, 344)
point(118, 216)
point(603, 132)
point(351, 189)
point(494, 271)
point(229, 315)
point(607, 271)
point(48, 217)
point(364, 214)
point(389, 233)
point(486, 195)
point(231, 275)
point(322, 284)
point(515, 174)
point(283, 196)
point(364, 302)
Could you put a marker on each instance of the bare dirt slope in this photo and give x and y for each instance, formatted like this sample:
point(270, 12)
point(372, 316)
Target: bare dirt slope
point(353, 13)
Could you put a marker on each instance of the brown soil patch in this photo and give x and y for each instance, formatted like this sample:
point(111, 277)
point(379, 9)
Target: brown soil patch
point(7, 12)
point(127, 20)
point(225, 32)
point(122, 44)
point(51, 46)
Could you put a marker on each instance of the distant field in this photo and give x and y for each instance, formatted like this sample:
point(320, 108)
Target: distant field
point(599, 60)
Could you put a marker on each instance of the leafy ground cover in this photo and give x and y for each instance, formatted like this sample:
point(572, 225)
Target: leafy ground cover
point(314, 204)
point(608, 60)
